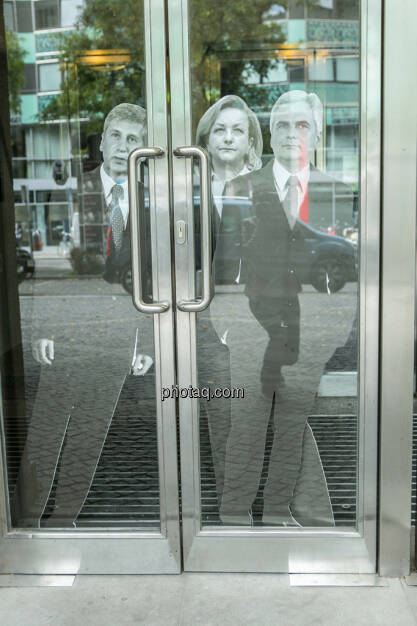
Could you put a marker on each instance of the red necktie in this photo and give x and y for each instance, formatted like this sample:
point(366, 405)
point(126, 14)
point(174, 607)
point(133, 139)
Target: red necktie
point(304, 208)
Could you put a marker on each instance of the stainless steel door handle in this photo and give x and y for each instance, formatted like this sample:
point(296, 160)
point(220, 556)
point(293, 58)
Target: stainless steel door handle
point(195, 306)
point(135, 210)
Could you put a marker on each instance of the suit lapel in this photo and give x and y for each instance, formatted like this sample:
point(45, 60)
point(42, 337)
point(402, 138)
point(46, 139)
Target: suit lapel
point(266, 201)
point(263, 181)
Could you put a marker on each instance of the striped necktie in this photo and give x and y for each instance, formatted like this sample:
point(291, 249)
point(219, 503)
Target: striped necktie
point(116, 219)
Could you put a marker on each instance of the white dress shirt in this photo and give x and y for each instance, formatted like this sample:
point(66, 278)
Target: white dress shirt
point(281, 176)
point(108, 184)
point(218, 185)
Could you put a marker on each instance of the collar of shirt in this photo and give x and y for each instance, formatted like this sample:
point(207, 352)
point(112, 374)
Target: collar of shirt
point(218, 185)
point(108, 184)
point(281, 176)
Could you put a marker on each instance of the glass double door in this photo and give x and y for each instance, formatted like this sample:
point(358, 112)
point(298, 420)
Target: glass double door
point(189, 347)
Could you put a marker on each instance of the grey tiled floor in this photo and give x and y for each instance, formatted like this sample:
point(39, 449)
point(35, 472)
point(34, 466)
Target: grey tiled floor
point(207, 599)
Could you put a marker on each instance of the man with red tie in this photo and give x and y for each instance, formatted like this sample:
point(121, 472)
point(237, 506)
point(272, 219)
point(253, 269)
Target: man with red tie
point(289, 197)
point(104, 190)
point(80, 381)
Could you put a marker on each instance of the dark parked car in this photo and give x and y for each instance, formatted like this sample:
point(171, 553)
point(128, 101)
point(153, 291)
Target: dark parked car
point(25, 264)
point(325, 261)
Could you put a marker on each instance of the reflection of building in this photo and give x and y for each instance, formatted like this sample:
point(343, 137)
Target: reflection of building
point(319, 52)
point(38, 146)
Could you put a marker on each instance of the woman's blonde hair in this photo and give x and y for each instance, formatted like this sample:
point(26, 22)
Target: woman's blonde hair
point(253, 158)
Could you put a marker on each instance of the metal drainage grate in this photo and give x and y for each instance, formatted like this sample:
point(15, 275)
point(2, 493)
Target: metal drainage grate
point(336, 437)
point(125, 489)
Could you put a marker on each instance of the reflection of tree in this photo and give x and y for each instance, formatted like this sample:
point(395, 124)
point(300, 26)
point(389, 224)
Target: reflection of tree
point(91, 91)
point(228, 36)
point(235, 26)
point(16, 71)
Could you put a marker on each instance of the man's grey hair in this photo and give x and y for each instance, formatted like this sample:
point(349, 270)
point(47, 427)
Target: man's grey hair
point(253, 158)
point(311, 99)
point(127, 112)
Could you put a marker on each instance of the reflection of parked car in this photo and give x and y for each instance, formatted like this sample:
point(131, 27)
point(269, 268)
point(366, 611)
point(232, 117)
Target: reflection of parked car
point(25, 264)
point(126, 278)
point(325, 261)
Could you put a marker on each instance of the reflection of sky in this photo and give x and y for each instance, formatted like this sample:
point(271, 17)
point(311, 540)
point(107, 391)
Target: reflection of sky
point(275, 11)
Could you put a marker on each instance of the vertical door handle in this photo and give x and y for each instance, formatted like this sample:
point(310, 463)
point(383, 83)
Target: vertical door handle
point(195, 306)
point(136, 208)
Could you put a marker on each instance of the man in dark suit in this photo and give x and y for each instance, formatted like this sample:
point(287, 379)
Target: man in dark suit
point(79, 389)
point(104, 190)
point(285, 195)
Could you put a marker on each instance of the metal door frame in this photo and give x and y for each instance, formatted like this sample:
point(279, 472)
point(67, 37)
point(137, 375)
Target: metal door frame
point(399, 184)
point(285, 550)
point(48, 552)
point(90, 552)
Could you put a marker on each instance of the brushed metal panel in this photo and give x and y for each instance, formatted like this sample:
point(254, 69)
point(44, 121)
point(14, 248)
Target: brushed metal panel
point(398, 285)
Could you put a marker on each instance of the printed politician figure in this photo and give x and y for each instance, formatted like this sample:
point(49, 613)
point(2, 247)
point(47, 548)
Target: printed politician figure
point(105, 189)
point(287, 199)
point(80, 379)
point(231, 134)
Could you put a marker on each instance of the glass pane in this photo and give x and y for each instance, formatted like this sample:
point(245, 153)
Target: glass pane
point(321, 69)
point(296, 9)
point(46, 14)
point(333, 9)
point(278, 347)
point(24, 16)
point(49, 77)
point(347, 70)
point(79, 409)
point(9, 16)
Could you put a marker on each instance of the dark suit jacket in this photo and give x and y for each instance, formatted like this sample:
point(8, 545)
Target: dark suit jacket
point(117, 262)
point(95, 211)
point(268, 245)
point(269, 248)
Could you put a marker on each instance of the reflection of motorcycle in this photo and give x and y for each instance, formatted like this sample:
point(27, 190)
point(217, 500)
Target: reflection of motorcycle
point(18, 233)
point(25, 264)
point(126, 278)
point(65, 245)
